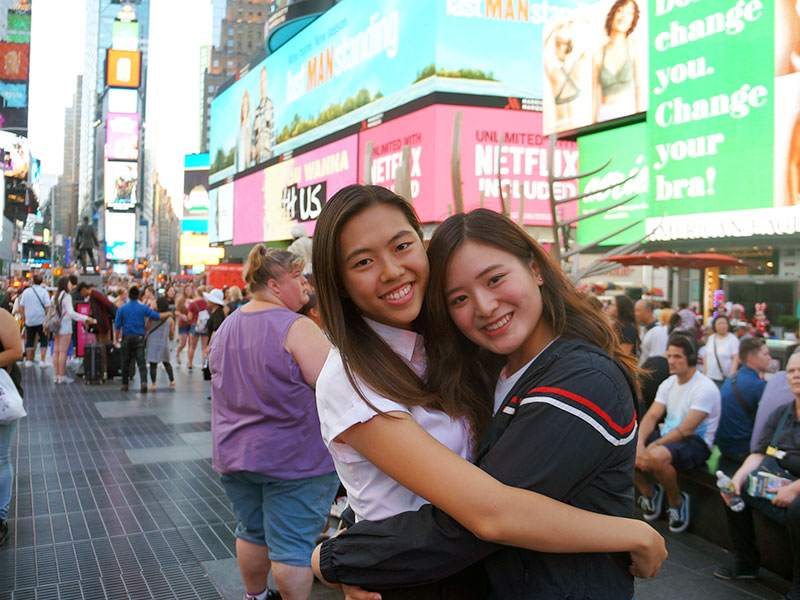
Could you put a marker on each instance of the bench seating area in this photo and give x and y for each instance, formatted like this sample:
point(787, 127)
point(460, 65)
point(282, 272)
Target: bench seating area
point(708, 518)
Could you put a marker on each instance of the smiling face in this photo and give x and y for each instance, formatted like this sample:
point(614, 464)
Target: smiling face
point(384, 266)
point(495, 300)
point(623, 18)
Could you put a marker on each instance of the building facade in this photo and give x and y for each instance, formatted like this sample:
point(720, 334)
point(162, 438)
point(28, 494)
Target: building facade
point(237, 38)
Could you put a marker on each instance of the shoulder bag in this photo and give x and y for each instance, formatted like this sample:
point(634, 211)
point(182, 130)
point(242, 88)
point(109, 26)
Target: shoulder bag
point(11, 407)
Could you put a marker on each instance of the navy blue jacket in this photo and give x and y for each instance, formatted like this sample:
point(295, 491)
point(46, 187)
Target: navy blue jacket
point(567, 430)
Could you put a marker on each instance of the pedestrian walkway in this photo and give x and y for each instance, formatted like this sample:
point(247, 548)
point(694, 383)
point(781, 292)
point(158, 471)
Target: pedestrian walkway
point(115, 498)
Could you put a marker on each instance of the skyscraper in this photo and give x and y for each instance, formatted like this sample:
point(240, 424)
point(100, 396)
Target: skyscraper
point(123, 26)
point(241, 37)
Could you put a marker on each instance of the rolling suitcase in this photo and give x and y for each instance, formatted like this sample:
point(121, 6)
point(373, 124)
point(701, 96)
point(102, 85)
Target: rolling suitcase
point(114, 361)
point(93, 363)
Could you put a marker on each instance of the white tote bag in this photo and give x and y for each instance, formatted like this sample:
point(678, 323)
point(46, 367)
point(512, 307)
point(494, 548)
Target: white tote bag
point(11, 407)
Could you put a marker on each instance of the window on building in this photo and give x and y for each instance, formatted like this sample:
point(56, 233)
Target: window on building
point(230, 43)
point(216, 62)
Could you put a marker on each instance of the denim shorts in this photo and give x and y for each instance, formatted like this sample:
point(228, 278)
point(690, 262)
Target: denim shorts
point(285, 515)
point(193, 331)
point(184, 329)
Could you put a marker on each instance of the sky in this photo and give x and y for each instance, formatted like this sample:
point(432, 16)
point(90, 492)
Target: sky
point(177, 30)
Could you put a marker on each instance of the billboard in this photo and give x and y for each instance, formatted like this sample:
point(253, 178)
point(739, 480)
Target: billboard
point(14, 95)
point(595, 65)
point(268, 203)
point(121, 180)
point(120, 235)
point(14, 61)
point(631, 157)
point(716, 139)
point(224, 222)
point(123, 101)
point(517, 166)
point(195, 186)
point(194, 250)
point(125, 35)
point(123, 68)
point(351, 63)
point(122, 136)
point(14, 155)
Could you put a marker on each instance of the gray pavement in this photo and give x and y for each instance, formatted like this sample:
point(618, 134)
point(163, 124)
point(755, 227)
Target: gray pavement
point(115, 498)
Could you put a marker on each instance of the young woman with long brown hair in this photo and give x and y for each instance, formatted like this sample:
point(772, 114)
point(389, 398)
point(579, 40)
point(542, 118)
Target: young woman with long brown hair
point(395, 432)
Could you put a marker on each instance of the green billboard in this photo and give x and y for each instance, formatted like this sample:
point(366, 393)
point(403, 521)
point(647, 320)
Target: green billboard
point(721, 140)
point(711, 105)
point(627, 146)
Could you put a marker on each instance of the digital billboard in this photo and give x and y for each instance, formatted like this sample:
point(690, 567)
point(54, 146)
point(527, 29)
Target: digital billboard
point(517, 167)
point(125, 35)
point(122, 136)
point(224, 221)
point(14, 95)
point(195, 186)
point(123, 68)
point(268, 203)
point(121, 180)
point(351, 63)
point(630, 157)
point(595, 65)
point(716, 139)
point(14, 155)
point(212, 229)
point(123, 101)
point(14, 61)
point(193, 249)
point(120, 235)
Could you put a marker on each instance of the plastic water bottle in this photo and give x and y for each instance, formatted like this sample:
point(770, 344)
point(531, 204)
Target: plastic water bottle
point(729, 495)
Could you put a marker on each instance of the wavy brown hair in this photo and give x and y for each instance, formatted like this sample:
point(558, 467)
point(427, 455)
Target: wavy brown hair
point(365, 356)
point(454, 361)
point(613, 13)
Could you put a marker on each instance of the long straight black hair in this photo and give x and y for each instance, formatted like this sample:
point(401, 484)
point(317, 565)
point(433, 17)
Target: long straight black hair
point(365, 356)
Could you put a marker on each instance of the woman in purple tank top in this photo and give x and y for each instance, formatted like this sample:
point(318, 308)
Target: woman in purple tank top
point(276, 471)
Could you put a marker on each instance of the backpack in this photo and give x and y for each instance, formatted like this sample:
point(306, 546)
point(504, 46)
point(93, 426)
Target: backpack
point(52, 320)
point(202, 321)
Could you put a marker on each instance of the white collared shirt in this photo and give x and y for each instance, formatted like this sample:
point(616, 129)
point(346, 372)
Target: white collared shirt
point(372, 494)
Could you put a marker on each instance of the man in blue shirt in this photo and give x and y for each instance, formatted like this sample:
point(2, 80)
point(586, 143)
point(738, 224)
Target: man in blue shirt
point(129, 329)
point(741, 394)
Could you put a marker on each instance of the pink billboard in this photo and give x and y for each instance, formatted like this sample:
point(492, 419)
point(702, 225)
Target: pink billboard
point(269, 203)
point(518, 166)
point(122, 136)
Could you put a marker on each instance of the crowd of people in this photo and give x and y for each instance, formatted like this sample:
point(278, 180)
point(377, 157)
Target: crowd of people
point(134, 323)
point(492, 430)
point(704, 385)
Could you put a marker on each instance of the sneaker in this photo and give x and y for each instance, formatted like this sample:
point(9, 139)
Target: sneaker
point(143, 389)
point(124, 388)
point(65, 379)
point(736, 572)
point(679, 517)
point(153, 388)
point(651, 507)
point(274, 595)
point(42, 365)
point(28, 363)
point(56, 379)
point(3, 532)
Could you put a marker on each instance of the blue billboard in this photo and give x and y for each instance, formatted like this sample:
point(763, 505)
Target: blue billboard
point(352, 63)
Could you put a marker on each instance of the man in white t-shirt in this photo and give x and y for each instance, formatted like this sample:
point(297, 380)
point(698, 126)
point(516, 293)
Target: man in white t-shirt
point(654, 339)
point(33, 307)
point(691, 403)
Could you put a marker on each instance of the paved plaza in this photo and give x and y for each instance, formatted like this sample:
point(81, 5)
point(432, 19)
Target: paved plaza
point(115, 498)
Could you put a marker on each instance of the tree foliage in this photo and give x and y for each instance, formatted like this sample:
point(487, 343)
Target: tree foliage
point(299, 125)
